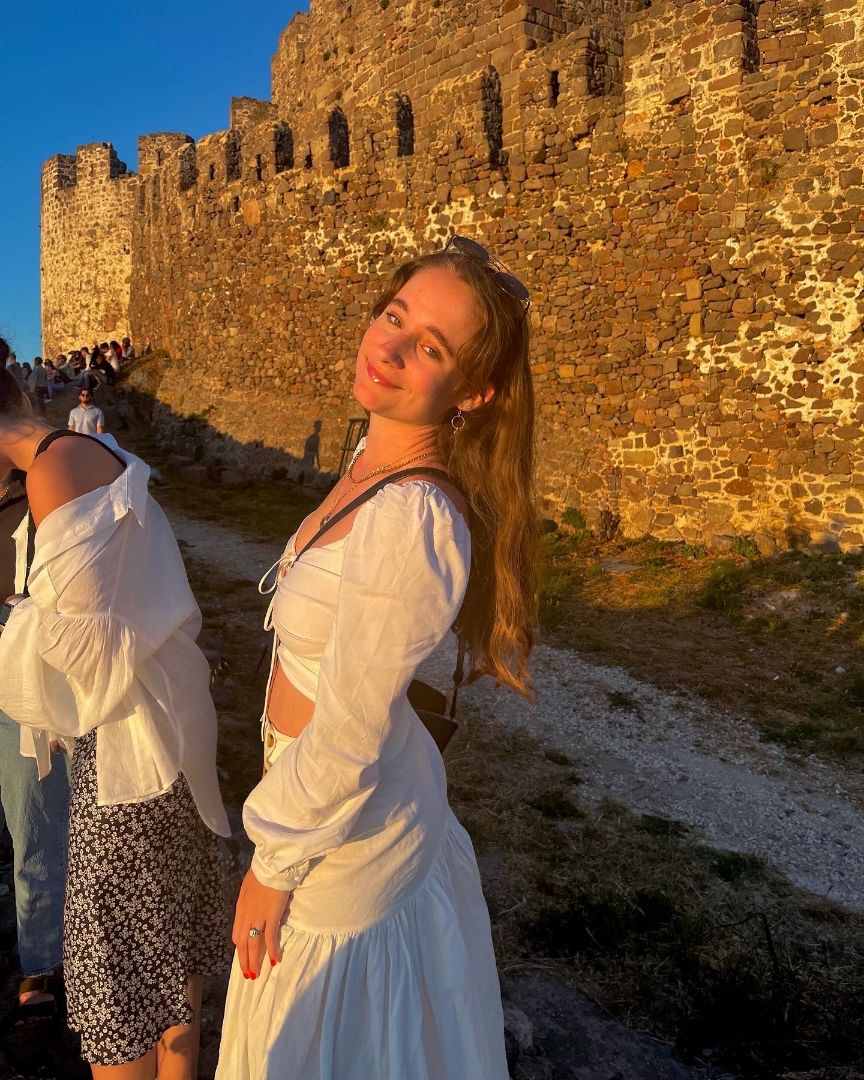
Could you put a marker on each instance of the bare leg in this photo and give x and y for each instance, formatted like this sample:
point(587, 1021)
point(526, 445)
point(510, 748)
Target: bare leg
point(177, 1052)
point(144, 1068)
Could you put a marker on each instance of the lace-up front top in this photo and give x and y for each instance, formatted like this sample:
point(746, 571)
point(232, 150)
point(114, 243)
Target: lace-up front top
point(302, 610)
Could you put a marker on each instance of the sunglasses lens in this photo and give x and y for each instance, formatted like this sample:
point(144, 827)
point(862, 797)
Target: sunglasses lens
point(506, 281)
point(471, 248)
point(513, 286)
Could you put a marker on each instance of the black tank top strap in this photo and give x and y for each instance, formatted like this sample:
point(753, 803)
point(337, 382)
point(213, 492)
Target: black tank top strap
point(61, 433)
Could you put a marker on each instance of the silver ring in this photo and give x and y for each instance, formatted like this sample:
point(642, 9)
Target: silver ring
point(255, 932)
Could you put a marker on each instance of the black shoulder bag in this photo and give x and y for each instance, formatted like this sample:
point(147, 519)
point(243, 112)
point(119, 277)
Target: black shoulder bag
point(429, 704)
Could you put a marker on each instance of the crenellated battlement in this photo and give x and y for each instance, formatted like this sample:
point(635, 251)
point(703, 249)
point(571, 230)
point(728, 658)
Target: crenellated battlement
point(59, 172)
point(679, 185)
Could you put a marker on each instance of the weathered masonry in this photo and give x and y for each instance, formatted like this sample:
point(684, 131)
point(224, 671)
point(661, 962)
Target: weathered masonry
point(681, 187)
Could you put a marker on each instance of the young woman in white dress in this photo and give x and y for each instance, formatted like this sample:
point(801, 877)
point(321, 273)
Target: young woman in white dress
point(363, 946)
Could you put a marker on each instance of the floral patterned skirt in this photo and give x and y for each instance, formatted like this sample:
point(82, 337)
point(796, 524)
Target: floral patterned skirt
point(145, 910)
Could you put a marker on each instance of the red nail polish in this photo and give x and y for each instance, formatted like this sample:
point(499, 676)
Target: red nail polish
point(272, 962)
point(245, 976)
point(253, 976)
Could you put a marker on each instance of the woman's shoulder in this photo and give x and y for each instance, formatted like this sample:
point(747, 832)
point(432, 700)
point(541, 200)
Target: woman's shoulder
point(420, 504)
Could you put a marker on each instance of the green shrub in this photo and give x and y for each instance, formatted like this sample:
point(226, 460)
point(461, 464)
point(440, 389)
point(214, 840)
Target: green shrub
point(574, 517)
point(745, 547)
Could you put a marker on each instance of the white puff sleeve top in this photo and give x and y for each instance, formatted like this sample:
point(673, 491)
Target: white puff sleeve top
point(106, 642)
point(404, 574)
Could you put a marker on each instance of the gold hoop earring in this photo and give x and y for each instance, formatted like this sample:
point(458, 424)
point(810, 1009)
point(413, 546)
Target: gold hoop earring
point(457, 422)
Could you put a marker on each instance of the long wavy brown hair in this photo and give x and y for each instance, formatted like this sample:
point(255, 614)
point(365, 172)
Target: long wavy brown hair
point(13, 400)
point(491, 459)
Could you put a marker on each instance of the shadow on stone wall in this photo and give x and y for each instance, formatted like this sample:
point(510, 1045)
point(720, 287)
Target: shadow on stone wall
point(194, 436)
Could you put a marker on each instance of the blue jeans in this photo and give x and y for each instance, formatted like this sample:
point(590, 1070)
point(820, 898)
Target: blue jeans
point(37, 816)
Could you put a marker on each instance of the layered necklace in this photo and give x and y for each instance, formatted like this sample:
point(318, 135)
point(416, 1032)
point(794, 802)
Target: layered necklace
point(352, 479)
point(4, 491)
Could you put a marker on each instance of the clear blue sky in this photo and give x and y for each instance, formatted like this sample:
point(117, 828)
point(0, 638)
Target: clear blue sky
point(83, 72)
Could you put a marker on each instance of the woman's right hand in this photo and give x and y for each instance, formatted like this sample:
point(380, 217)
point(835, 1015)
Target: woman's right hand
point(263, 909)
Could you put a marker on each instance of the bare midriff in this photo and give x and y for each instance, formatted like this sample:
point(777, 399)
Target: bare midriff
point(288, 710)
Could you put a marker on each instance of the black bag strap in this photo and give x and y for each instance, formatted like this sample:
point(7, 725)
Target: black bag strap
point(366, 496)
point(59, 433)
point(459, 672)
point(31, 550)
point(65, 433)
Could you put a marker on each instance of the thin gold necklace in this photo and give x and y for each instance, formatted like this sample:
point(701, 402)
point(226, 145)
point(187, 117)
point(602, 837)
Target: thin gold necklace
point(335, 505)
point(385, 468)
point(375, 472)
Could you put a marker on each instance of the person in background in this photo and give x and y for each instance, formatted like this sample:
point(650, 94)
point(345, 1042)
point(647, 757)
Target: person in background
point(66, 368)
point(37, 384)
point(104, 365)
point(112, 355)
point(36, 815)
point(88, 378)
point(117, 349)
point(128, 350)
point(107, 634)
point(87, 418)
point(54, 381)
point(15, 370)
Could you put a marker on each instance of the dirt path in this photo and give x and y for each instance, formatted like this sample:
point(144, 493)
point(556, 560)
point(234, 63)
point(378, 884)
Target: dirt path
point(655, 752)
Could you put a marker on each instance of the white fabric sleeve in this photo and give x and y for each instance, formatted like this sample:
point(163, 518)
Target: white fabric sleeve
point(69, 653)
point(404, 576)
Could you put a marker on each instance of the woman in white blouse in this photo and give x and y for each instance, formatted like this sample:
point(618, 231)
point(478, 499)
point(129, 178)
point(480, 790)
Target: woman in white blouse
point(101, 656)
point(363, 940)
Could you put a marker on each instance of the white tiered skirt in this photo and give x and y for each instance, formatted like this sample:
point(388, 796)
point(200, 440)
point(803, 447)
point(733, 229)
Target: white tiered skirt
point(413, 996)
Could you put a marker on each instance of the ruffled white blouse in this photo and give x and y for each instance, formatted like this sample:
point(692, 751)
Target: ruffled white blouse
point(361, 629)
point(106, 641)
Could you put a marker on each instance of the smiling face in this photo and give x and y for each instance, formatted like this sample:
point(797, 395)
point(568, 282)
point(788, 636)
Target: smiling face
point(406, 364)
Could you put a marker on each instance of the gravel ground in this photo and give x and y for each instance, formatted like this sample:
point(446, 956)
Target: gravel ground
point(653, 751)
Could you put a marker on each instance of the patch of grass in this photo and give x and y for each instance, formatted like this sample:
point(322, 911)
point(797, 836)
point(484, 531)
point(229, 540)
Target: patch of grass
point(801, 735)
point(724, 590)
point(556, 805)
point(269, 512)
point(557, 758)
point(618, 699)
point(732, 628)
point(745, 547)
point(575, 519)
point(854, 689)
point(660, 826)
point(703, 948)
point(733, 866)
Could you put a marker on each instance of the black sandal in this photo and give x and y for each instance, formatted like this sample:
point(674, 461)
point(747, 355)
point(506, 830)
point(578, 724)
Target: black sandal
point(34, 1038)
point(25, 1014)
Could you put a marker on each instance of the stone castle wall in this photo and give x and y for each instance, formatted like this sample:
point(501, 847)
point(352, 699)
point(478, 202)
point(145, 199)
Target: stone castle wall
point(680, 187)
point(86, 247)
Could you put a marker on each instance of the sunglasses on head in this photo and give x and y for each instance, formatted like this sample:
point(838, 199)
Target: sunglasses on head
point(505, 281)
